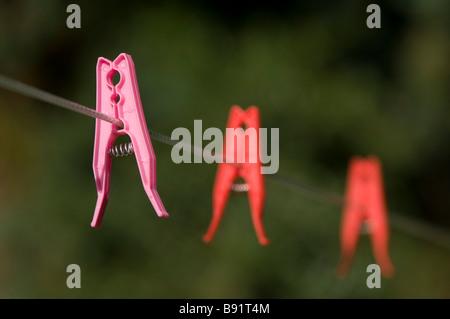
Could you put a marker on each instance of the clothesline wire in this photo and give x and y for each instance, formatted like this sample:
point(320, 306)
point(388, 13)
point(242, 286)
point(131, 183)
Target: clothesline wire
point(413, 227)
point(33, 92)
point(406, 224)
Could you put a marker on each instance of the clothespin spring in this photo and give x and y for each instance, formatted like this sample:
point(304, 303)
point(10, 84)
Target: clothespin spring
point(239, 188)
point(121, 150)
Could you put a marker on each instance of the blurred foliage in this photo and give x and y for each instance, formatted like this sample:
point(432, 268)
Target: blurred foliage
point(334, 88)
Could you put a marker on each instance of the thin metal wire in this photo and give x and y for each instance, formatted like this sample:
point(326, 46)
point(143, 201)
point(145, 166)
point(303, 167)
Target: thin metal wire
point(33, 92)
point(162, 138)
point(407, 224)
point(306, 188)
point(414, 227)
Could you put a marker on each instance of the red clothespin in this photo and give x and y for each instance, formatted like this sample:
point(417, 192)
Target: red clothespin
point(365, 203)
point(121, 101)
point(249, 169)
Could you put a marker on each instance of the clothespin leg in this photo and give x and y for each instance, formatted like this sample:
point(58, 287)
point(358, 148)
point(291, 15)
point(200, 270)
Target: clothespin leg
point(102, 170)
point(379, 221)
point(136, 127)
point(256, 197)
point(226, 174)
point(350, 231)
point(147, 169)
point(380, 239)
point(102, 181)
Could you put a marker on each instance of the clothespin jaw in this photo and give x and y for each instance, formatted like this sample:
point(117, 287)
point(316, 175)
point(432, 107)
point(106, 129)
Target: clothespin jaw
point(365, 204)
point(249, 170)
point(123, 102)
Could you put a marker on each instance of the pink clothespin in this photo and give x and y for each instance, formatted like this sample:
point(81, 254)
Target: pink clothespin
point(121, 101)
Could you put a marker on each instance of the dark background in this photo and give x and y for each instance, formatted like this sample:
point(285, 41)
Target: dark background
point(332, 86)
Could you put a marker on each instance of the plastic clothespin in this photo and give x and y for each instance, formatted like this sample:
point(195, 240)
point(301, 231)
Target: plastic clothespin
point(121, 101)
point(249, 170)
point(365, 204)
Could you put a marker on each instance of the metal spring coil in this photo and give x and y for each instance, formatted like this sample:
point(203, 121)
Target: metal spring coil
point(121, 150)
point(239, 188)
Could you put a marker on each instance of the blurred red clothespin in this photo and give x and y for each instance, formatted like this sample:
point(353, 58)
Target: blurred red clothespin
point(123, 102)
point(365, 204)
point(245, 163)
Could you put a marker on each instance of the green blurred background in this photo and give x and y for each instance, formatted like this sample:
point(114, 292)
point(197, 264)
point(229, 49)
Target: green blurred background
point(334, 88)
